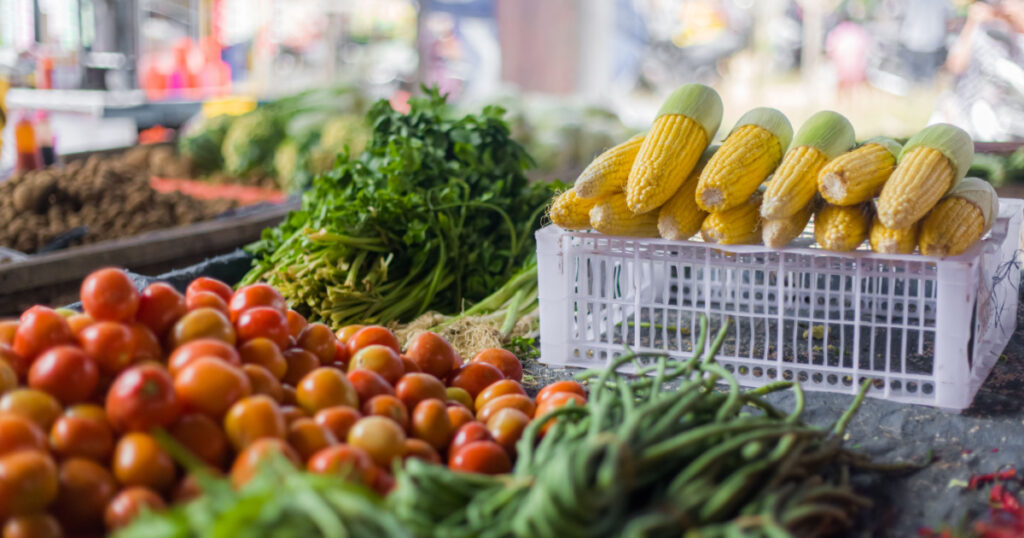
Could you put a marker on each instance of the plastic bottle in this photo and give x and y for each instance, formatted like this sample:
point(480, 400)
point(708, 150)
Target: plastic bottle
point(44, 138)
point(25, 142)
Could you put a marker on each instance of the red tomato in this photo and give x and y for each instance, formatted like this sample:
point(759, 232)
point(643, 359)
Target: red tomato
point(381, 359)
point(459, 415)
point(66, 372)
point(142, 398)
point(347, 331)
point(253, 296)
point(319, 340)
point(410, 367)
point(469, 432)
point(128, 504)
point(263, 321)
point(160, 305)
point(206, 299)
point(300, 362)
point(496, 389)
point(341, 357)
point(560, 386)
point(146, 345)
point(432, 354)
point(28, 482)
point(416, 387)
point(212, 285)
point(506, 426)
point(430, 422)
point(247, 463)
point(369, 384)
point(345, 460)
point(486, 457)
point(265, 353)
point(204, 347)
point(108, 294)
point(39, 329)
point(210, 385)
point(370, 336)
point(83, 432)
point(515, 401)
point(296, 322)
point(474, 377)
point(503, 360)
point(307, 437)
point(420, 449)
point(19, 433)
point(202, 436)
point(388, 406)
point(338, 420)
point(383, 481)
point(110, 344)
point(85, 488)
point(33, 526)
point(202, 323)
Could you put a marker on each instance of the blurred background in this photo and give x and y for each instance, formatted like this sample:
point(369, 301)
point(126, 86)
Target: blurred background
point(576, 75)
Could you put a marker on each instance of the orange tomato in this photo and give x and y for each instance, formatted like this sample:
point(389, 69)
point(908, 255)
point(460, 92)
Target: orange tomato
point(110, 344)
point(503, 360)
point(39, 329)
point(382, 438)
point(515, 401)
point(160, 305)
point(369, 384)
point(252, 418)
point(289, 395)
point(474, 377)
point(415, 387)
point(206, 299)
point(381, 359)
point(560, 386)
point(292, 413)
point(35, 405)
point(140, 461)
point(83, 432)
point(204, 347)
point(408, 366)
point(458, 396)
point(346, 332)
point(33, 526)
point(420, 449)
point(8, 377)
point(341, 357)
point(486, 457)
point(372, 335)
point(28, 483)
point(146, 345)
point(128, 504)
point(325, 387)
point(201, 436)
point(204, 283)
point(202, 323)
point(506, 427)
point(430, 422)
point(263, 382)
point(78, 322)
point(85, 489)
point(17, 365)
point(296, 322)
point(338, 420)
point(265, 353)
point(319, 340)
point(496, 389)
point(210, 385)
point(247, 463)
point(256, 295)
point(108, 294)
point(553, 401)
point(307, 437)
point(432, 353)
point(348, 461)
point(300, 362)
point(141, 398)
point(66, 372)
point(7, 329)
point(388, 406)
point(458, 416)
point(19, 433)
point(263, 322)
point(468, 433)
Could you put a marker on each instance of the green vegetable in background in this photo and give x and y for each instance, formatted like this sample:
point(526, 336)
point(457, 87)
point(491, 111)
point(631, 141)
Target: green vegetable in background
point(435, 213)
point(250, 141)
point(203, 141)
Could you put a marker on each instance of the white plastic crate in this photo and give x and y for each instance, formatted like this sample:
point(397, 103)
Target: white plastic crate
point(926, 330)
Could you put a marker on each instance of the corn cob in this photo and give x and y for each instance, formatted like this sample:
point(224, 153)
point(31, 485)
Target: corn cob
point(959, 219)
point(737, 226)
point(931, 163)
point(607, 173)
point(824, 136)
point(777, 233)
point(571, 212)
point(680, 217)
point(858, 175)
point(842, 228)
point(611, 216)
point(890, 241)
point(682, 129)
point(749, 154)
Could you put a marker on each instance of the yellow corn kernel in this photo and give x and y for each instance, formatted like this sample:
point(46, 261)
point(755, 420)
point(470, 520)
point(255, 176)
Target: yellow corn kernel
point(680, 217)
point(892, 241)
point(666, 157)
point(959, 219)
point(571, 212)
point(777, 233)
point(608, 172)
point(842, 228)
point(794, 183)
point(857, 176)
point(611, 216)
point(917, 184)
point(736, 226)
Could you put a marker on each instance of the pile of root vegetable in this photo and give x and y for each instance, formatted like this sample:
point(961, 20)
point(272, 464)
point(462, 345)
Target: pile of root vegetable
point(109, 196)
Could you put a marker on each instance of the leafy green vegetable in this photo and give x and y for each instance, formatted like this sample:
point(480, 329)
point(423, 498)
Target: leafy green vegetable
point(250, 141)
point(203, 141)
point(435, 212)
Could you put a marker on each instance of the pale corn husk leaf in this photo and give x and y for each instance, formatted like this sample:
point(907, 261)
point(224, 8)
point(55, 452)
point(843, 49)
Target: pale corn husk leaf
point(698, 102)
point(980, 193)
point(771, 120)
point(830, 132)
point(893, 146)
point(951, 140)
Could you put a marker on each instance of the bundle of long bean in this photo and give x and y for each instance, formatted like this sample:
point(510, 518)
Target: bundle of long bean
point(653, 455)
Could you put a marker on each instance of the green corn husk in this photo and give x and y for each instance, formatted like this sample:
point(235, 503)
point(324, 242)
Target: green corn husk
point(830, 132)
point(698, 102)
point(980, 193)
point(891, 145)
point(951, 140)
point(771, 120)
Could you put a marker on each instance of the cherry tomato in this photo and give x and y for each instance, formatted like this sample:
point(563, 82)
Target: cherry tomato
point(338, 420)
point(341, 357)
point(66, 372)
point(202, 323)
point(17, 365)
point(35, 405)
point(430, 422)
point(206, 299)
point(210, 385)
point(432, 354)
point(296, 322)
point(348, 461)
point(146, 345)
point(20, 433)
point(496, 389)
point(8, 377)
point(369, 384)
point(85, 489)
point(300, 362)
point(456, 395)
point(347, 331)
point(253, 296)
point(7, 329)
point(110, 344)
point(382, 438)
point(560, 386)
point(469, 432)
point(33, 526)
point(160, 305)
point(486, 457)
point(503, 360)
point(265, 353)
point(325, 387)
point(79, 322)
point(420, 449)
point(263, 321)
point(319, 340)
point(381, 359)
point(252, 418)
point(141, 398)
point(204, 347)
point(289, 395)
point(201, 436)
point(203, 284)
point(515, 401)
point(108, 294)
point(416, 387)
point(130, 502)
point(83, 432)
point(307, 437)
point(408, 366)
point(39, 329)
point(140, 461)
point(247, 463)
point(554, 401)
point(263, 382)
point(187, 489)
point(506, 426)
point(383, 481)
point(291, 413)
point(459, 415)
point(388, 406)
point(474, 377)
point(370, 336)
point(28, 482)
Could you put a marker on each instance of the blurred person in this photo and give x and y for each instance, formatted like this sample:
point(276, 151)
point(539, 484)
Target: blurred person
point(923, 31)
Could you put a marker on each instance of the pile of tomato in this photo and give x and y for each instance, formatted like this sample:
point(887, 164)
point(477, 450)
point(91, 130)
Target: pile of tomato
point(232, 377)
